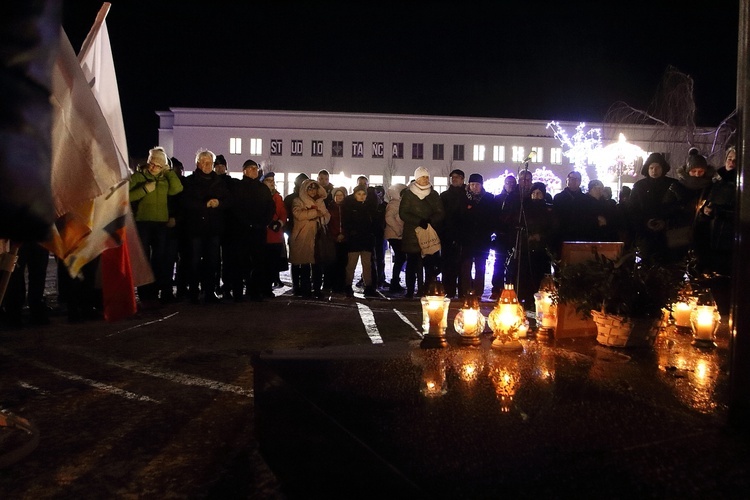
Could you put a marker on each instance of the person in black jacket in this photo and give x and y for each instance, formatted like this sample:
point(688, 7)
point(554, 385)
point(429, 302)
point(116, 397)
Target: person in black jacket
point(205, 198)
point(454, 202)
point(251, 212)
point(476, 225)
point(358, 223)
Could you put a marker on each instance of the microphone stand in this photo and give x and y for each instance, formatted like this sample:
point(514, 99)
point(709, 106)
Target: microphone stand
point(521, 228)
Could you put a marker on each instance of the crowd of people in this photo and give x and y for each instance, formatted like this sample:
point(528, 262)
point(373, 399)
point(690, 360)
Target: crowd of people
point(213, 238)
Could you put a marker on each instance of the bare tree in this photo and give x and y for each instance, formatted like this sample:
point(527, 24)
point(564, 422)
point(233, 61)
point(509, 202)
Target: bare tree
point(673, 112)
point(389, 171)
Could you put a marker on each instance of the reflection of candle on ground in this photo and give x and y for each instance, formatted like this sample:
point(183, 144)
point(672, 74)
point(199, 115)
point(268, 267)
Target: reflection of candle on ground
point(681, 313)
point(704, 323)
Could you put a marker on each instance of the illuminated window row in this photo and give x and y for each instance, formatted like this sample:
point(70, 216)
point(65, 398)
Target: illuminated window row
point(378, 150)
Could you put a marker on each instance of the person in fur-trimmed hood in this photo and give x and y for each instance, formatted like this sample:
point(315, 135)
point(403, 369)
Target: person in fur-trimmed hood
point(309, 210)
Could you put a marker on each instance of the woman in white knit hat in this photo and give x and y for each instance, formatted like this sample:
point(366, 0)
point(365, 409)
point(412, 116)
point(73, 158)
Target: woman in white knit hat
point(420, 206)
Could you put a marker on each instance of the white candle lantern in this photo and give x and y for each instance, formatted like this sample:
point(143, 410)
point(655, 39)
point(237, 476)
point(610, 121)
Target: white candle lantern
point(705, 320)
point(469, 322)
point(434, 316)
point(506, 319)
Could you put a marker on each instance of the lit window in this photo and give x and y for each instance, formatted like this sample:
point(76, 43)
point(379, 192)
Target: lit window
point(519, 154)
point(376, 180)
point(235, 146)
point(398, 179)
point(417, 151)
point(539, 156)
point(438, 152)
point(555, 156)
point(440, 184)
point(256, 147)
point(458, 152)
point(498, 154)
point(478, 152)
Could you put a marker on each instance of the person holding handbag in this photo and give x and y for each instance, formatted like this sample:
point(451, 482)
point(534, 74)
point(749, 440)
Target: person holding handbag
point(420, 206)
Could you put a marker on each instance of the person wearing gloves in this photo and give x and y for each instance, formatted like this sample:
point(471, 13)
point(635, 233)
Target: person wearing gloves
point(420, 206)
point(394, 231)
point(150, 188)
point(309, 210)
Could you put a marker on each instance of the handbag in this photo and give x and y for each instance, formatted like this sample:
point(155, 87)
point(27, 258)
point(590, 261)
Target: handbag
point(325, 247)
point(429, 241)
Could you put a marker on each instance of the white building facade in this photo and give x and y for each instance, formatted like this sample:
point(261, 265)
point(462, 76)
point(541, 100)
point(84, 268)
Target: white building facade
point(388, 148)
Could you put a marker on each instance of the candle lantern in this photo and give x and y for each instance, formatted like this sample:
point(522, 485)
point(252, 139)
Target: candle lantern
point(469, 322)
point(682, 309)
point(704, 320)
point(434, 316)
point(546, 308)
point(506, 319)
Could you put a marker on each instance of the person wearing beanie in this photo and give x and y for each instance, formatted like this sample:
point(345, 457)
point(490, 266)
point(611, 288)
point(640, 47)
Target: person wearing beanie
point(150, 189)
point(476, 228)
point(247, 220)
point(220, 165)
point(454, 201)
point(205, 199)
point(421, 206)
point(652, 204)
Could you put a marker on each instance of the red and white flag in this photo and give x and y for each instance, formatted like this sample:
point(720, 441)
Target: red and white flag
point(90, 172)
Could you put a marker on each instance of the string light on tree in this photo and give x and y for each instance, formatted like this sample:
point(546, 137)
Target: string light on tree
point(580, 148)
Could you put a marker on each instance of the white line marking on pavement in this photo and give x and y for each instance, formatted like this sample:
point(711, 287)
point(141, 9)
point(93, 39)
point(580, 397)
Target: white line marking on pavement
point(72, 376)
point(406, 320)
point(368, 319)
point(145, 324)
point(180, 378)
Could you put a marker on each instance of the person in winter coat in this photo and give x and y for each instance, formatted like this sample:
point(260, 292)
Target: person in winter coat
point(719, 211)
point(420, 206)
point(205, 199)
point(394, 230)
point(359, 232)
point(288, 202)
point(476, 228)
point(248, 219)
point(454, 202)
point(695, 180)
point(150, 188)
point(652, 204)
point(276, 256)
point(536, 243)
point(334, 276)
point(309, 211)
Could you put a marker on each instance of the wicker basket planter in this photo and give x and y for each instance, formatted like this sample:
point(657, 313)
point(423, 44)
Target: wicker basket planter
point(618, 331)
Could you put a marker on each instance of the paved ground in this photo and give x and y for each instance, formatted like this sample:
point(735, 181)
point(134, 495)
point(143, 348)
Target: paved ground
point(163, 405)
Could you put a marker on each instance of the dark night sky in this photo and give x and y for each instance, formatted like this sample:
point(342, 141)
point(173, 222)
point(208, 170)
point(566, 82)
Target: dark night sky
point(532, 60)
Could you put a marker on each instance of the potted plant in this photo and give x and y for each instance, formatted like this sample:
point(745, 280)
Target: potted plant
point(625, 296)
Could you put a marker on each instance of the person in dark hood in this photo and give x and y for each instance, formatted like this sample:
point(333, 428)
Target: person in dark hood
point(288, 228)
point(652, 204)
